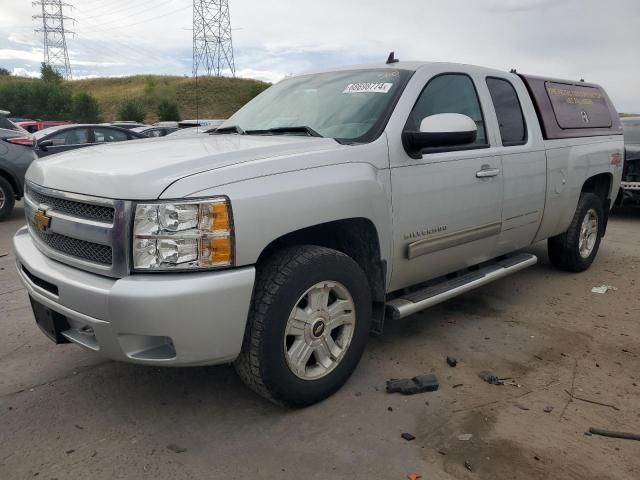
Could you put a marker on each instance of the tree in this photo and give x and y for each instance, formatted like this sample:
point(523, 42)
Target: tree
point(132, 110)
point(85, 109)
point(50, 74)
point(4, 72)
point(168, 111)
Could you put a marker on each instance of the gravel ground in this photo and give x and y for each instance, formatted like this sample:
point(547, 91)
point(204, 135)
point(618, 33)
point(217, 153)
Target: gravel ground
point(67, 414)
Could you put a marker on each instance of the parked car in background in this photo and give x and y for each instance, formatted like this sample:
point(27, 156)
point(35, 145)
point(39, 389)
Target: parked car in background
point(203, 123)
point(62, 138)
point(166, 124)
point(126, 124)
point(190, 132)
point(16, 154)
point(630, 186)
point(154, 131)
point(33, 126)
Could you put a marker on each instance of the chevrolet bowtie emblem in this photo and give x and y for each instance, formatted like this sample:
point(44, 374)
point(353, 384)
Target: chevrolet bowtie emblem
point(41, 220)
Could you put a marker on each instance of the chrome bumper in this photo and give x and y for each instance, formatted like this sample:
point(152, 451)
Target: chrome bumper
point(161, 319)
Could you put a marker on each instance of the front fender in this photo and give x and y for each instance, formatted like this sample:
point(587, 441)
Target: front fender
point(266, 208)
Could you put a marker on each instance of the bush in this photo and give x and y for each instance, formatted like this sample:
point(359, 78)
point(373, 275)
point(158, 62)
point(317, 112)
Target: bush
point(149, 85)
point(4, 72)
point(168, 111)
point(85, 108)
point(50, 74)
point(132, 110)
point(45, 99)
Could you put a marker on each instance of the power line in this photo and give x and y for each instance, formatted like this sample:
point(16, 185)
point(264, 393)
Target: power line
point(212, 44)
point(54, 35)
point(136, 11)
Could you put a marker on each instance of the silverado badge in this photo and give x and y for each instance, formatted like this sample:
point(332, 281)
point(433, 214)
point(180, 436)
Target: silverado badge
point(41, 220)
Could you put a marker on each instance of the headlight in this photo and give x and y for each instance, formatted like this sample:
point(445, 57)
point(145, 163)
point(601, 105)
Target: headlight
point(183, 236)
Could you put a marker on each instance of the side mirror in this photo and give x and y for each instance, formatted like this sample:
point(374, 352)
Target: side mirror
point(45, 144)
point(441, 130)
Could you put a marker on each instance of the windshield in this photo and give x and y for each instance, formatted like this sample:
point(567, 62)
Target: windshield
point(348, 105)
point(631, 131)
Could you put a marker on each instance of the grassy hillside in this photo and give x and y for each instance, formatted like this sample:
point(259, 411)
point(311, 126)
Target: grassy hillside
point(215, 97)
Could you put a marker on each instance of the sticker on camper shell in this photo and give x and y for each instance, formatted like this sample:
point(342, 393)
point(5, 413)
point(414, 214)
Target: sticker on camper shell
point(368, 88)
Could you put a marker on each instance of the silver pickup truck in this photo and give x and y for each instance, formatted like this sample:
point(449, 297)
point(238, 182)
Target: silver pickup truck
point(329, 204)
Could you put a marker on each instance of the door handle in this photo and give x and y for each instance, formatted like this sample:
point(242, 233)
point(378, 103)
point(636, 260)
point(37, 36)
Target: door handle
point(488, 172)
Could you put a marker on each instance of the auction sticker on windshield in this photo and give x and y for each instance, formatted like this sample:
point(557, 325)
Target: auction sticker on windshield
point(368, 88)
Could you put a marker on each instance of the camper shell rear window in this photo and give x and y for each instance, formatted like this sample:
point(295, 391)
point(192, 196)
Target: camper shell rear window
point(572, 109)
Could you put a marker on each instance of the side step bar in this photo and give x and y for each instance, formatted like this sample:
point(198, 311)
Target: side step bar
point(440, 292)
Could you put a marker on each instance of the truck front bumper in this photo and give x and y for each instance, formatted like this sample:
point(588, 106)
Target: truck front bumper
point(179, 319)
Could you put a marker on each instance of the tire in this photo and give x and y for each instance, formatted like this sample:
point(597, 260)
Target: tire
point(298, 277)
point(565, 250)
point(7, 198)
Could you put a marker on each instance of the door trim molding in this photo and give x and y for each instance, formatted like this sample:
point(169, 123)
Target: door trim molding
point(449, 240)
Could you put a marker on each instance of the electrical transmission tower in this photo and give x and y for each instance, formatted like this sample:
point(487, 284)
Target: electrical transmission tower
point(212, 45)
point(54, 34)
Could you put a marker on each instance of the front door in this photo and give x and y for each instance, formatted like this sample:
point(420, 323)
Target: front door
point(446, 202)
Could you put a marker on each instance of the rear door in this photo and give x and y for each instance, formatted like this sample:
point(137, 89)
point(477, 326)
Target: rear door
point(524, 161)
point(447, 202)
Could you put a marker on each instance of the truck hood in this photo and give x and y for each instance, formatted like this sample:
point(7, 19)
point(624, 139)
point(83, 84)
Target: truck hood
point(142, 169)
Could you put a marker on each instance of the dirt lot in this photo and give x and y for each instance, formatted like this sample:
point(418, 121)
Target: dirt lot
point(67, 414)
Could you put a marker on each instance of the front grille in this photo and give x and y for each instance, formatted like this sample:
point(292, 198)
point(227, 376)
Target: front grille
point(70, 207)
point(93, 252)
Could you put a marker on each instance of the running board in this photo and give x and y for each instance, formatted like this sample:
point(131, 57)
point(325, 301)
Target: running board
point(440, 292)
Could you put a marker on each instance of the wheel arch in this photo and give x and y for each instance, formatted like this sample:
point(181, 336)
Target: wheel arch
point(600, 185)
point(13, 181)
point(355, 237)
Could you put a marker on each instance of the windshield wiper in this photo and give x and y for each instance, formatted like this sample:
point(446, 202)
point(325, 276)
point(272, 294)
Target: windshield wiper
point(229, 129)
point(285, 130)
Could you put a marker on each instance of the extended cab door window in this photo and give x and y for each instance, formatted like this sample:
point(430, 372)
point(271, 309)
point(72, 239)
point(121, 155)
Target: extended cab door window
point(513, 129)
point(450, 93)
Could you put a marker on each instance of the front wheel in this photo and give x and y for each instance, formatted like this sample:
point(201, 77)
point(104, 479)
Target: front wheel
point(576, 249)
point(307, 327)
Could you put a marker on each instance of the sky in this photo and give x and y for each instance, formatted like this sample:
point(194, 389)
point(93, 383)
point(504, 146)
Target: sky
point(572, 39)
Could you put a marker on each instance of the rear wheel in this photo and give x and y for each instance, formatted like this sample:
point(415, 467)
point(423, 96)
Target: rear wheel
point(576, 249)
point(308, 325)
point(7, 198)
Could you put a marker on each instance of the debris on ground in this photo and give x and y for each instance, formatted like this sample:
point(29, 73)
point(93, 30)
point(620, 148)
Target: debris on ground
point(548, 409)
point(3, 255)
point(457, 385)
point(452, 361)
point(176, 449)
point(408, 437)
point(414, 476)
point(614, 434)
point(411, 386)
point(602, 404)
point(520, 406)
point(602, 289)
point(468, 465)
point(490, 377)
point(465, 436)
